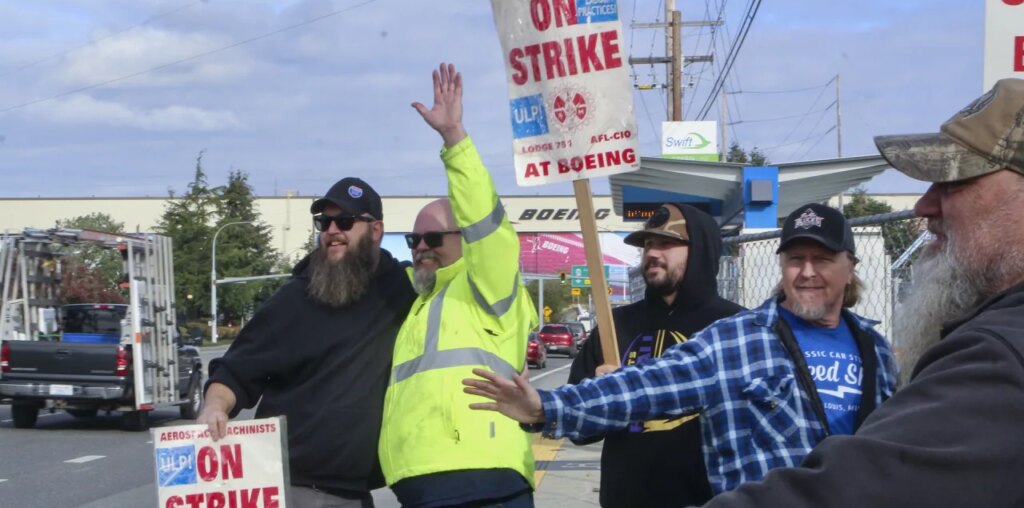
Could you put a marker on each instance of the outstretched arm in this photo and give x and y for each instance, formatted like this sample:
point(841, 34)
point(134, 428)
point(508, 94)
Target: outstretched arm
point(446, 115)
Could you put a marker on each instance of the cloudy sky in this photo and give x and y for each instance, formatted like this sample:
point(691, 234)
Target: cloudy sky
point(118, 97)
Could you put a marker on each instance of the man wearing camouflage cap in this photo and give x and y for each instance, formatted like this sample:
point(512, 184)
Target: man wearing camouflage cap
point(952, 435)
point(769, 383)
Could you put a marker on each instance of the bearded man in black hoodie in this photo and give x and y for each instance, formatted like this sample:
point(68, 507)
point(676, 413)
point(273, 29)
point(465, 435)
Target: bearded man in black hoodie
point(319, 353)
point(659, 463)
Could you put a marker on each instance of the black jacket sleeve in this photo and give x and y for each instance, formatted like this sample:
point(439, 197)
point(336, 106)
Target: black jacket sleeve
point(952, 437)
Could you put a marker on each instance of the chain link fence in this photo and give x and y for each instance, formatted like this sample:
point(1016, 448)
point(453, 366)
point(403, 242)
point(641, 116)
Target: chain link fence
point(887, 245)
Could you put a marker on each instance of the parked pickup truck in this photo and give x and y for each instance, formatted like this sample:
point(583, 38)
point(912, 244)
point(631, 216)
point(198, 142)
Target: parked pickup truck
point(89, 370)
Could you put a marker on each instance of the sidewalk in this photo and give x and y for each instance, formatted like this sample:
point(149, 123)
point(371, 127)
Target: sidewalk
point(567, 475)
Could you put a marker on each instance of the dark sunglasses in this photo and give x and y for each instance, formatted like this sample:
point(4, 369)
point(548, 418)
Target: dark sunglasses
point(344, 222)
point(431, 238)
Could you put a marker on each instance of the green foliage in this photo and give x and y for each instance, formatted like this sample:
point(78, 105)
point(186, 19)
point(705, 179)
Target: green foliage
point(186, 222)
point(556, 296)
point(91, 273)
point(755, 157)
point(243, 250)
point(898, 236)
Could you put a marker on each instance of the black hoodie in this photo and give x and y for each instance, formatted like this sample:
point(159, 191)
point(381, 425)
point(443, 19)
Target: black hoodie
point(660, 463)
point(326, 369)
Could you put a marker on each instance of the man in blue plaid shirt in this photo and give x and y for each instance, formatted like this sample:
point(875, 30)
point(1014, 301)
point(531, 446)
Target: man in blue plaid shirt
point(769, 383)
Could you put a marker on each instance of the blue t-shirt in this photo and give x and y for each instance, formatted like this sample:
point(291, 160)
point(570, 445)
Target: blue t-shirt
point(835, 364)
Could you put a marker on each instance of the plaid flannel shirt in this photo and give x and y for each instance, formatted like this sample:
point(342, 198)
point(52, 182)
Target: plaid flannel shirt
point(737, 374)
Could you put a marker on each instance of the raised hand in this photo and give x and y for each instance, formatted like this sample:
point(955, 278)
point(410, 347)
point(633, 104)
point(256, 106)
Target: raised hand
point(446, 114)
point(514, 398)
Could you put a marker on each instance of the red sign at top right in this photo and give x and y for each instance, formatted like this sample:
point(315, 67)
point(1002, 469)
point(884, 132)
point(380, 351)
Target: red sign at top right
point(1004, 40)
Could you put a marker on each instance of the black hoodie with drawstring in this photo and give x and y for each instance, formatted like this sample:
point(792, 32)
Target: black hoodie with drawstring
point(660, 463)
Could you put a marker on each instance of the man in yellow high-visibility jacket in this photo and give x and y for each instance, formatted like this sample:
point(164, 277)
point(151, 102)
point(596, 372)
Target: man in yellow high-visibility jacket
point(472, 312)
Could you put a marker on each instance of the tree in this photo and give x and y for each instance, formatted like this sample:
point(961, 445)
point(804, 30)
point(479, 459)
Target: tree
point(186, 222)
point(755, 157)
point(556, 296)
point(243, 250)
point(91, 273)
point(898, 236)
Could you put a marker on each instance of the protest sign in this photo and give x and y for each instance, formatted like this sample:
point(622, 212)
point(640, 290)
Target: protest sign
point(248, 468)
point(571, 106)
point(570, 98)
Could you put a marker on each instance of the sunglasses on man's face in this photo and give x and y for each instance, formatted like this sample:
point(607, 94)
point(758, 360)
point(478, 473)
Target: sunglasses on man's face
point(431, 238)
point(344, 222)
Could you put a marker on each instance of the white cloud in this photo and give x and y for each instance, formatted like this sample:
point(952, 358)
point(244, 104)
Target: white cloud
point(85, 110)
point(146, 48)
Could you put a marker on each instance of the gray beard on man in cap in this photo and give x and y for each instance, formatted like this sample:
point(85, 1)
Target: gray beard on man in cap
point(945, 288)
point(343, 282)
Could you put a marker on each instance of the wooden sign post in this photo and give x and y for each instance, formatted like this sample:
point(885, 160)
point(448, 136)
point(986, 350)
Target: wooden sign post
point(595, 265)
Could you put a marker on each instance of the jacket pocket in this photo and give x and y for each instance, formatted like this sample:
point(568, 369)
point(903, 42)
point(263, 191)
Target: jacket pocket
point(769, 401)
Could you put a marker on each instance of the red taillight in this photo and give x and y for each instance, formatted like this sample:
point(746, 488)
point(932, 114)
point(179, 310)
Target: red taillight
point(5, 358)
point(122, 362)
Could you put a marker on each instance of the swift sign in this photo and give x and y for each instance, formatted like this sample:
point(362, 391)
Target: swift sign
point(570, 99)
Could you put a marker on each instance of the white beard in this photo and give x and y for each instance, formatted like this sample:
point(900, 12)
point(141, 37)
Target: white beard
point(943, 290)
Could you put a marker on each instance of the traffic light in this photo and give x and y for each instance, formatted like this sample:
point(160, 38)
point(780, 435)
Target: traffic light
point(561, 277)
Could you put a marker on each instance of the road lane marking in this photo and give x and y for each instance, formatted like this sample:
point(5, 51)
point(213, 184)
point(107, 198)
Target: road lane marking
point(544, 451)
point(552, 371)
point(85, 458)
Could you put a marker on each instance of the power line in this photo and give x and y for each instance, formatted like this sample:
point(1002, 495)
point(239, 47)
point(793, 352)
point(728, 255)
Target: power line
point(808, 138)
point(734, 51)
point(144, 22)
point(790, 117)
point(826, 133)
point(186, 59)
point(795, 90)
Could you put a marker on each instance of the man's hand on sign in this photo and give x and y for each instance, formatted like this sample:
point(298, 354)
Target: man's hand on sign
point(605, 369)
point(446, 115)
point(219, 401)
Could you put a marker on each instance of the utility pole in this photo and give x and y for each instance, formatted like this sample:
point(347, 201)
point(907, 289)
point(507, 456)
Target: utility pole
point(673, 58)
point(676, 111)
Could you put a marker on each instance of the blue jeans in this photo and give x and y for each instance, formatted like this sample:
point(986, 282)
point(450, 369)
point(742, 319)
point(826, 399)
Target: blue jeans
point(523, 499)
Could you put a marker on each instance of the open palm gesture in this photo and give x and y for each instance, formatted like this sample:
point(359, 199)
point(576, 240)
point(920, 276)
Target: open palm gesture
point(446, 114)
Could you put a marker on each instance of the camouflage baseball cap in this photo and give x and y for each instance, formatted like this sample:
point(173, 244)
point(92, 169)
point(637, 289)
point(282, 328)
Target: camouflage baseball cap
point(668, 221)
point(984, 137)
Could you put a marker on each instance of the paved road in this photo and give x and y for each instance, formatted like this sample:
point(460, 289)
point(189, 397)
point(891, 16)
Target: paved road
point(93, 463)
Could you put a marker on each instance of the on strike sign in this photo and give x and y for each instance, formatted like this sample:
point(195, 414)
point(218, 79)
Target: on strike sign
point(570, 99)
point(246, 469)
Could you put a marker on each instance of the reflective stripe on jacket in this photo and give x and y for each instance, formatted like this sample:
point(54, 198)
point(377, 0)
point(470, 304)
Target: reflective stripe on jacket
point(479, 315)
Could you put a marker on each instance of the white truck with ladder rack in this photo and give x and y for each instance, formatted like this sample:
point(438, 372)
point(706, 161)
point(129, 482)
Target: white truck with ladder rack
point(121, 357)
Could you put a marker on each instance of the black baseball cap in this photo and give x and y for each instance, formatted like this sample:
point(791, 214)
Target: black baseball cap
point(820, 223)
point(352, 195)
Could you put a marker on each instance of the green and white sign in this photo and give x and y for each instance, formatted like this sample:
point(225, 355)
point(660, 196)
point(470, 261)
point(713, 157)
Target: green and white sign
point(690, 140)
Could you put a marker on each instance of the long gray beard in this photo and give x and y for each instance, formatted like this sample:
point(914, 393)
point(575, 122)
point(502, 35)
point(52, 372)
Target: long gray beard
point(941, 291)
point(341, 283)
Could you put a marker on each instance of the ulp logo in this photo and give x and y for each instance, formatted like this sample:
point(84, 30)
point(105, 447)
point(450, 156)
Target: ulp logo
point(529, 117)
point(176, 466)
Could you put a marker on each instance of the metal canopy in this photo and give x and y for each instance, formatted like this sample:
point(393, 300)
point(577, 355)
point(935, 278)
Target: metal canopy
point(799, 182)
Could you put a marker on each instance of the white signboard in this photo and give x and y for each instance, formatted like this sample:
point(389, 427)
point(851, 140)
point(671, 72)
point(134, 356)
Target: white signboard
point(690, 140)
point(247, 468)
point(570, 98)
point(1004, 40)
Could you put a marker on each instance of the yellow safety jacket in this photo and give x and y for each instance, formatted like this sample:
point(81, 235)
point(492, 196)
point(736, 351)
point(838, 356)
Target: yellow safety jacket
point(478, 316)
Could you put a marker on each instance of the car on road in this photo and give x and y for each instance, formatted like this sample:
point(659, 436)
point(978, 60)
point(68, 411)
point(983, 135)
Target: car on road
point(559, 338)
point(536, 352)
point(579, 331)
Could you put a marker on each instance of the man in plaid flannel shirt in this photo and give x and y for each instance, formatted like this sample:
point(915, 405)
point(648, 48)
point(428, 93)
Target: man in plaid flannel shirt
point(769, 383)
